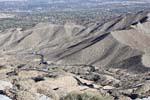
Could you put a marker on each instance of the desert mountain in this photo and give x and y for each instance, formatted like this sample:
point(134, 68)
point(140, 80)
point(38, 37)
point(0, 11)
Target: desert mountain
point(113, 43)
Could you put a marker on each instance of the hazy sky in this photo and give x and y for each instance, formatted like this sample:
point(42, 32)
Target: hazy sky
point(95, 0)
point(12, 0)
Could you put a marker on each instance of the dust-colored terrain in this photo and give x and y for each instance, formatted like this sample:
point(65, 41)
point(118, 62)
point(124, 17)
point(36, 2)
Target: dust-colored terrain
point(109, 60)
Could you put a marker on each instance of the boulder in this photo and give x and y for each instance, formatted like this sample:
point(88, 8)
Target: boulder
point(3, 97)
point(4, 85)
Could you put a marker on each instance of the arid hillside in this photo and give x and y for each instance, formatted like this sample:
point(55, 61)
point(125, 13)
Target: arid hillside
point(108, 59)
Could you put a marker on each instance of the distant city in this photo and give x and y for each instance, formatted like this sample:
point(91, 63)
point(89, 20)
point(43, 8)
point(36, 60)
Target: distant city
point(27, 13)
point(70, 5)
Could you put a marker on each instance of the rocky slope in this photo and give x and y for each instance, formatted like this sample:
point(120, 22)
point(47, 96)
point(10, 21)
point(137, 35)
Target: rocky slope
point(107, 59)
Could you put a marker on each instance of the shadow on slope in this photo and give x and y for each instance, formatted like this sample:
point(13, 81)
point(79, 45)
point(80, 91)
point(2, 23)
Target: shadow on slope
point(132, 64)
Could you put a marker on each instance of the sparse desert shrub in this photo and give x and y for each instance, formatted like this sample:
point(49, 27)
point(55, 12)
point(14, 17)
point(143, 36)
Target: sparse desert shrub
point(84, 96)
